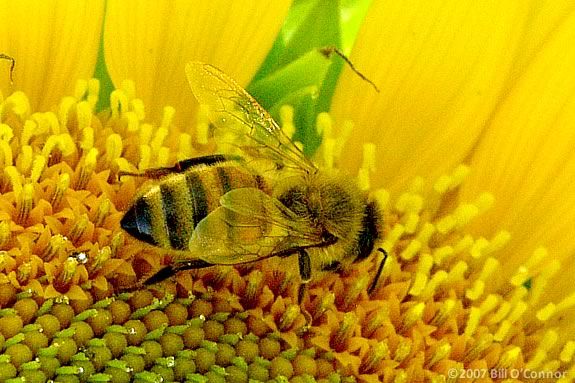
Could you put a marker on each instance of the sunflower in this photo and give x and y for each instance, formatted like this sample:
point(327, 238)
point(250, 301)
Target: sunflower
point(465, 147)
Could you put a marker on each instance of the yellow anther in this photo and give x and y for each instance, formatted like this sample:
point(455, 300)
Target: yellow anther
point(436, 280)
point(38, 166)
point(84, 115)
point(327, 151)
point(400, 376)
point(517, 312)
point(70, 266)
point(489, 303)
point(4, 233)
point(484, 202)
point(464, 214)
point(425, 233)
point(145, 157)
point(323, 124)
point(567, 352)
point(163, 156)
point(129, 88)
point(24, 162)
point(103, 255)
point(64, 110)
point(463, 244)
point(501, 313)
point(146, 132)
point(393, 236)
point(63, 142)
point(53, 125)
point(345, 330)
point(446, 224)
point(358, 286)
point(566, 303)
point(403, 350)
point(549, 340)
point(412, 315)
point(442, 184)
point(472, 321)
point(15, 179)
point(118, 103)
point(441, 253)
point(289, 316)
point(416, 186)
point(382, 197)
point(167, 117)
point(62, 185)
point(419, 281)
point(509, 357)
point(138, 109)
point(6, 157)
point(441, 352)
point(369, 157)
point(363, 179)
point(6, 132)
point(459, 175)
point(325, 303)
point(484, 341)
point(93, 91)
point(87, 169)
point(158, 139)
point(411, 250)
point(286, 120)
point(478, 248)
point(114, 146)
point(80, 89)
point(185, 148)
point(342, 138)
point(19, 104)
point(445, 312)
point(132, 121)
point(409, 202)
point(28, 131)
point(489, 267)
point(377, 353)
point(476, 291)
point(25, 203)
point(102, 212)
point(457, 272)
point(87, 141)
point(536, 360)
point(79, 228)
point(503, 330)
point(498, 241)
point(56, 244)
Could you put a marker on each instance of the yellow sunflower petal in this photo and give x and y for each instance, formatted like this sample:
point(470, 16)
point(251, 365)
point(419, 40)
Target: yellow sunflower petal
point(150, 42)
point(440, 66)
point(526, 157)
point(545, 17)
point(54, 43)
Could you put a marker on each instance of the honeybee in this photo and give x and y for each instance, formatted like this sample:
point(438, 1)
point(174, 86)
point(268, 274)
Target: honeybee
point(269, 201)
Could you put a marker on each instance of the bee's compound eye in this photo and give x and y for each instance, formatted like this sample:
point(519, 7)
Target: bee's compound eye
point(138, 222)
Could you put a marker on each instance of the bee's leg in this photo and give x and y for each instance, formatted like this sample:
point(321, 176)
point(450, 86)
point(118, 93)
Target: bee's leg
point(181, 166)
point(379, 270)
point(304, 272)
point(305, 275)
point(172, 270)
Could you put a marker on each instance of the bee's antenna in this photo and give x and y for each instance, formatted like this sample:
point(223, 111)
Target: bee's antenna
point(379, 270)
point(10, 58)
point(328, 51)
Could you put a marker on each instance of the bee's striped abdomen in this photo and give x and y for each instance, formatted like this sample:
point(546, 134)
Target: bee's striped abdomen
point(168, 212)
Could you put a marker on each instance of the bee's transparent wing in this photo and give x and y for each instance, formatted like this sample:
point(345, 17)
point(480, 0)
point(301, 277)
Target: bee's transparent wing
point(241, 120)
point(250, 225)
